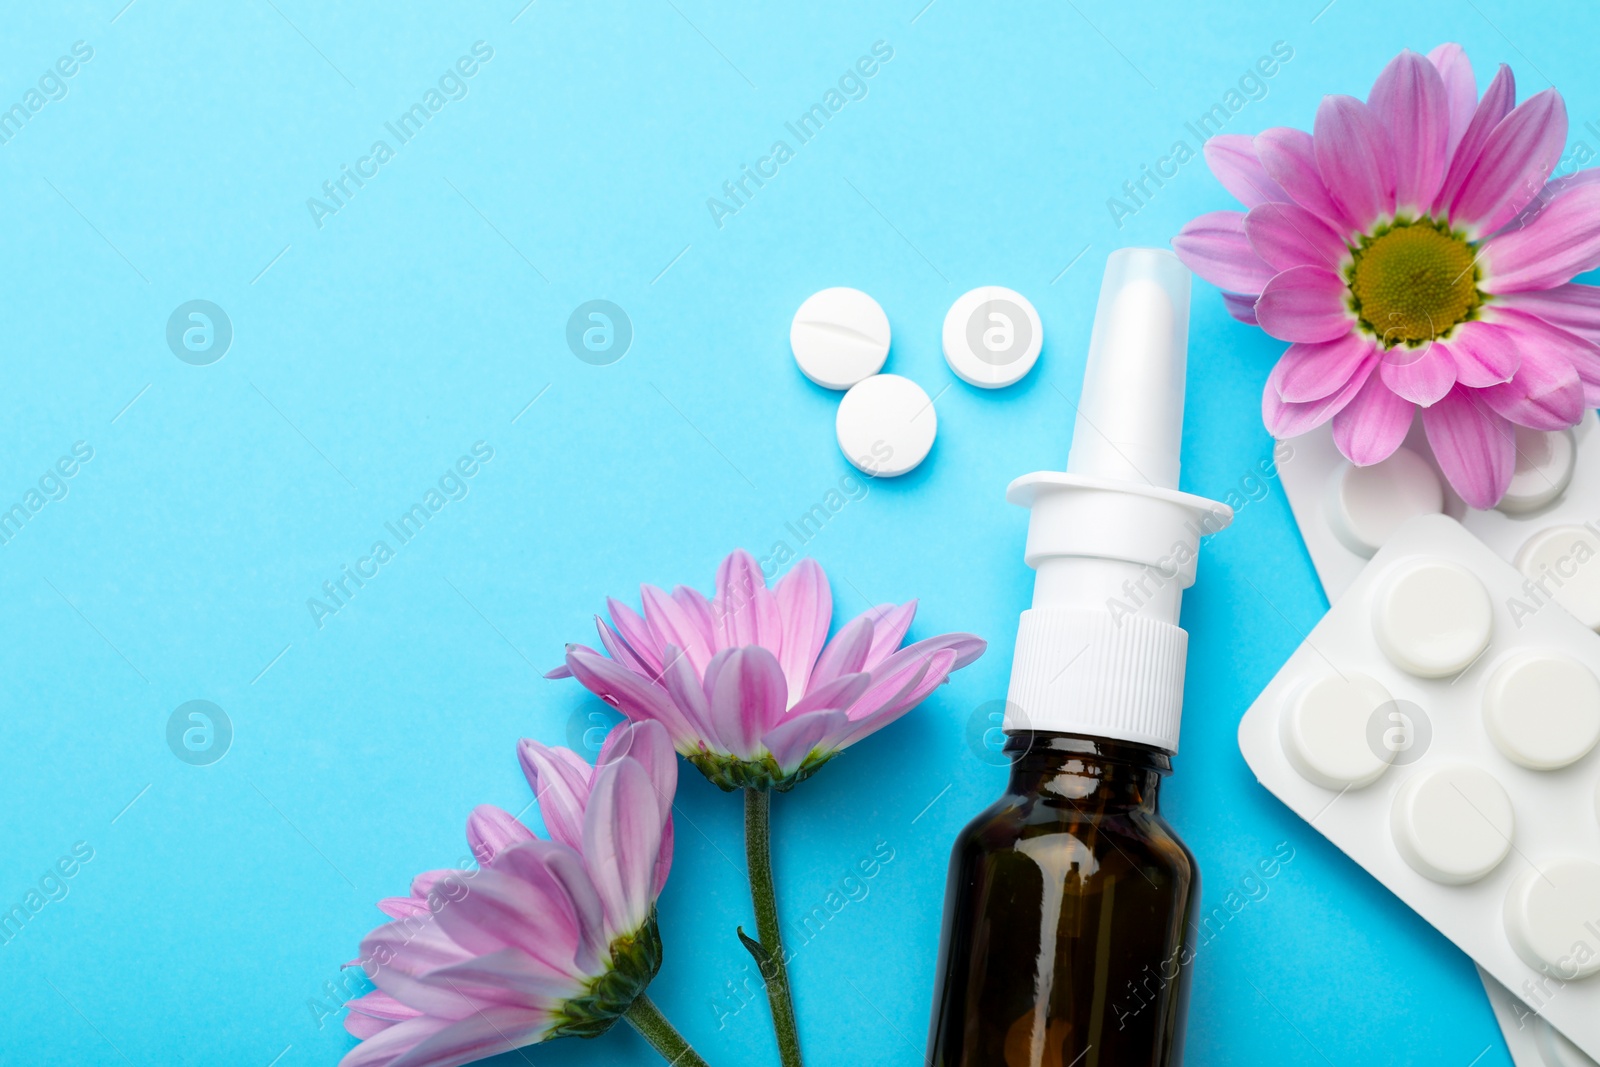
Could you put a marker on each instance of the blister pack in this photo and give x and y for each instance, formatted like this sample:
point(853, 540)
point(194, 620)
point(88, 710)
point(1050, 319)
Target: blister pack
point(1548, 525)
point(1443, 738)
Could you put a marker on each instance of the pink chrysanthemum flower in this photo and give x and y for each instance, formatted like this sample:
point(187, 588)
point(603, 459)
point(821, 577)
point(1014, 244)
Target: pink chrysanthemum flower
point(1413, 251)
point(744, 682)
point(545, 939)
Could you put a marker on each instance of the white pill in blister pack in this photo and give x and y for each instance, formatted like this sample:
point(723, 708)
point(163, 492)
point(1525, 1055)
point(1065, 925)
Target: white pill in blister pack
point(1345, 513)
point(840, 336)
point(1477, 800)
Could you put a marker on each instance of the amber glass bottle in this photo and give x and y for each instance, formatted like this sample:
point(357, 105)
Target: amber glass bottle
point(1068, 916)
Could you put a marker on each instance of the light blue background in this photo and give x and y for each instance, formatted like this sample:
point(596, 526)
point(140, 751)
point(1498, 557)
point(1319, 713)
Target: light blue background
point(425, 316)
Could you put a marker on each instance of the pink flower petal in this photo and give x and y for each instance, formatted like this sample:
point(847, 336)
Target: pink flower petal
point(630, 694)
point(746, 691)
point(1289, 156)
point(1497, 102)
point(1410, 100)
point(1562, 240)
point(1546, 394)
point(1460, 90)
point(374, 1012)
point(560, 782)
point(846, 653)
point(1516, 159)
point(1287, 235)
point(672, 625)
point(1284, 420)
point(1418, 375)
point(401, 907)
point(1214, 246)
point(621, 836)
point(618, 649)
point(1241, 307)
point(1475, 447)
point(647, 744)
point(685, 690)
point(836, 695)
point(698, 608)
point(484, 1033)
point(745, 609)
point(565, 865)
point(805, 604)
point(491, 830)
point(1232, 158)
point(382, 1049)
point(889, 625)
point(631, 625)
point(1311, 370)
point(967, 649)
point(508, 977)
point(395, 954)
point(793, 741)
point(1356, 159)
point(1573, 307)
point(1484, 354)
point(1529, 332)
point(1370, 427)
point(880, 706)
point(501, 911)
point(1305, 304)
point(1552, 190)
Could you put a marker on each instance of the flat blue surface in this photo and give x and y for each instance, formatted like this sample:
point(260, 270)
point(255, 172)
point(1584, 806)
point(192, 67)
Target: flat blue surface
point(428, 312)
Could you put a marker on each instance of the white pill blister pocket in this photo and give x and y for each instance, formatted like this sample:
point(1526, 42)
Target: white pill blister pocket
point(1547, 523)
point(1443, 737)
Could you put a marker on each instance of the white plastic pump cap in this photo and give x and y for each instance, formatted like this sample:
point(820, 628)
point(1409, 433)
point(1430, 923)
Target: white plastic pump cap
point(1130, 417)
point(1114, 542)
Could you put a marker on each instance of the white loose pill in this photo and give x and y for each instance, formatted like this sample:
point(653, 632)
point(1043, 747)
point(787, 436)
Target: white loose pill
point(1325, 735)
point(1542, 710)
point(886, 425)
point(1452, 824)
point(1552, 918)
point(839, 336)
point(1432, 617)
point(992, 336)
point(1545, 461)
point(1561, 564)
point(1367, 504)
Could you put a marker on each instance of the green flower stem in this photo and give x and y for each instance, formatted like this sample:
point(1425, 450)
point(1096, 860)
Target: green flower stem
point(646, 1018)
point(775, 968)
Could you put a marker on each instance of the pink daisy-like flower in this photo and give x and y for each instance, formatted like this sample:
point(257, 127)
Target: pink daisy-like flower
point(545, 939)
point(747, 684)
point(1413, 251)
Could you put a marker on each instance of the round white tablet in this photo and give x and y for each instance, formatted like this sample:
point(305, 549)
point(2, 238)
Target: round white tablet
point(1367, 504)
point(1563, 564)
point(1452, 824)
point(1432, 617)
point(886, 425)
point(1542, 710)
point(1323, 729)
point(992, 336)
point(1545, 460)
point(1550, 918)
point(839, 336)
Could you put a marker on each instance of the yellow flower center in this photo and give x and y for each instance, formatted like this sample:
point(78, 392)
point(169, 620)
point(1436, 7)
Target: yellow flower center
point(1413, 283)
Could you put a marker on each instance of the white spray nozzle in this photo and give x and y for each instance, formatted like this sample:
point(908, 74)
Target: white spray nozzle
point(1130, 415)
point(1113, 540)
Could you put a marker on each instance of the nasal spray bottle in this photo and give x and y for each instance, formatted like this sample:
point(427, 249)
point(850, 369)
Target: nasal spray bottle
point(1068, 928)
